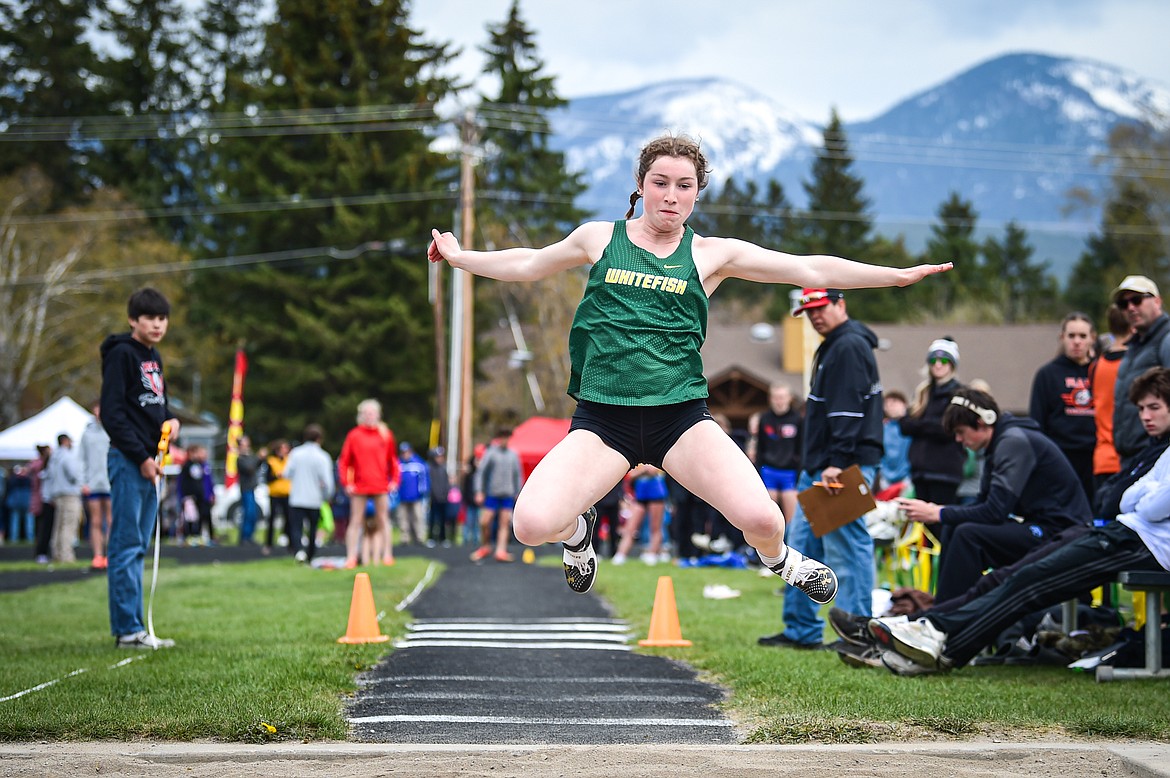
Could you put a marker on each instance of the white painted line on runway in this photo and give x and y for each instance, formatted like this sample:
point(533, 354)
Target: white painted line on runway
point(44, 685)
point(418, 589)
point(557, 626)
point(602, 637)
point(504, 644)
point(521, 679)
point(559, 697)
point(510, 720)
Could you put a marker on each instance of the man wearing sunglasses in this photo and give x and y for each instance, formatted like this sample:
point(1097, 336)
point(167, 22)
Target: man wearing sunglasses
point(842, 427)
point(1138, 299)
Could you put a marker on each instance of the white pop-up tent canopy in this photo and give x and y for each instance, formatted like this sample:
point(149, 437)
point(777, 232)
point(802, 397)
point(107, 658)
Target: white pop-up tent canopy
point(19, 442)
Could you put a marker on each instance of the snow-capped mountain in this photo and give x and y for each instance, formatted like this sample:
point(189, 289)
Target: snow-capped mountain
point(1013, 135)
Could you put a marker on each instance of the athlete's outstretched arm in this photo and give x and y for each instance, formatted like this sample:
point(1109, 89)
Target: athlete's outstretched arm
point(582, 246)
point(740, 259)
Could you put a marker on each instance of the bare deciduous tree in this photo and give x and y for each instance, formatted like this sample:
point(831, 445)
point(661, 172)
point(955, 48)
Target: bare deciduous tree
point(35, 271)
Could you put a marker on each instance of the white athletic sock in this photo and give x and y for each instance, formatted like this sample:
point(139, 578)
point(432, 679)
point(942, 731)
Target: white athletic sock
point(578, 535)
point(772, 561)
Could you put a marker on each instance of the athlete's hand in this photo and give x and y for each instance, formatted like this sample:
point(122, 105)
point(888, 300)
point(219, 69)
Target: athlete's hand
point(913, 275)
point(443, 246)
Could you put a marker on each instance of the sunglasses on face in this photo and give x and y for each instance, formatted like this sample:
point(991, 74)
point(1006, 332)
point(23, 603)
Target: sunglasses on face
point(938, 361)
point(1137, 299)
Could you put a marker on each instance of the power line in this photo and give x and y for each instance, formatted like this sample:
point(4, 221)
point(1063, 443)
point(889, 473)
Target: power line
point(328, 253)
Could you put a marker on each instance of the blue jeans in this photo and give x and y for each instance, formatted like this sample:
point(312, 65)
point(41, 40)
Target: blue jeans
point(134, 507)
point(18, 518)
point(251, 511)
point(848, 550)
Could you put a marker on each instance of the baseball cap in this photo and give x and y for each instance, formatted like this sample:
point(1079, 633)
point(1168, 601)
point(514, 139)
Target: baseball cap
point(1139, 284)
point(404, 446)
point(817, 298)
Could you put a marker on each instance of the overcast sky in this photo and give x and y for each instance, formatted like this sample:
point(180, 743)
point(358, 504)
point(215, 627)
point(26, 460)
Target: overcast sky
point(861, 56)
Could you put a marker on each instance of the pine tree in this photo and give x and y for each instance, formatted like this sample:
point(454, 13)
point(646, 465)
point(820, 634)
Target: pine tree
point(47, 84)
point(333, 154)
point(1129, 242)
point(524, 186)
point(524, 196)
point(836, 221)
point(1022, 290)
point(152, 78)
point(743, 213)
point(1132, 237)
point(953, 240)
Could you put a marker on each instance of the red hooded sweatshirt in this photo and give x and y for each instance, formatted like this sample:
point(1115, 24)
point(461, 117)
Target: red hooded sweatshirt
point(369, 460)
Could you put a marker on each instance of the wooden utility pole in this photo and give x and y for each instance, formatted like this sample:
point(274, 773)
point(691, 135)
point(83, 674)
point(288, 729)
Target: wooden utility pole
point(439, 307)
point(469, 134)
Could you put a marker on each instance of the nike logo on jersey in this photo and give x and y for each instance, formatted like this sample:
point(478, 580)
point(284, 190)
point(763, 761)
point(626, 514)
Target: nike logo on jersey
point(671, 267)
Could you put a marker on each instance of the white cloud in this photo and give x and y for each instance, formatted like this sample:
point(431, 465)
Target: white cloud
point(858, 55)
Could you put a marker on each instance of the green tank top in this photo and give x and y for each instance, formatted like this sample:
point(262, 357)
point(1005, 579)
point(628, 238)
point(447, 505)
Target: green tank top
point(636, 335)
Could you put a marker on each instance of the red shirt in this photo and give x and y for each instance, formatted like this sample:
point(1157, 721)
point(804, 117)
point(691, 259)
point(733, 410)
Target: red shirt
point(369, 460)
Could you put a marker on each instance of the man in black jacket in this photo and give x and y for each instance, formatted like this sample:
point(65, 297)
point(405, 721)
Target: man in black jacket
point(1028, 494)
point(842, 427)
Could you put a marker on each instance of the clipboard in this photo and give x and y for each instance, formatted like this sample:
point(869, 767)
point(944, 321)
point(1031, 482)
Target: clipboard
point(827, 511)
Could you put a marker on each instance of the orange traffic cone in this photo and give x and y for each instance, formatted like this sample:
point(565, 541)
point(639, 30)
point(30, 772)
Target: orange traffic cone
point(664, 627)
point(363, 619)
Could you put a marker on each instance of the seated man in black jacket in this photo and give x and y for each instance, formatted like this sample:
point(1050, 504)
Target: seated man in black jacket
point(1028, 494)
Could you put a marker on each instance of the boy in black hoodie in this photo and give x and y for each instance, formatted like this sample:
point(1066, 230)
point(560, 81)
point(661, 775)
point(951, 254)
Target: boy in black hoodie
point(134, 409)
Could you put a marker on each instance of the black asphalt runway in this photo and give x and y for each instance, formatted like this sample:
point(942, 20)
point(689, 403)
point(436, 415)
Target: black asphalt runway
point(498, 654)
point(507, 654)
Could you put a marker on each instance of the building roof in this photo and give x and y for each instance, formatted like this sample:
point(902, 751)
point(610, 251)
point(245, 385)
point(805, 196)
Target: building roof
point(1005, 356)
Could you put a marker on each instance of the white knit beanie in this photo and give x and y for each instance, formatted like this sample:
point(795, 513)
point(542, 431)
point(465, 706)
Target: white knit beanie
point(944, 347)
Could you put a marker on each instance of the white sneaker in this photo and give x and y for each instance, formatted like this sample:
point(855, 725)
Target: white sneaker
point(618, 559)
point(649, 558)
point(807, 574)
point(720, 545)
point(664, 557)
point(143, 640)
point(900, 665)
point(701, 541)
point(919, 641)
point(302, 556)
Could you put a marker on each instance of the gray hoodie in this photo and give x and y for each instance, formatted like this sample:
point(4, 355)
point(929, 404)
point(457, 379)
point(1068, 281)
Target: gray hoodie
point(93, 450)
point(63, 476)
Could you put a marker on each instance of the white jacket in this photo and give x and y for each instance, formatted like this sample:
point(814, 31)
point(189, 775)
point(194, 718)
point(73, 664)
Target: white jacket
point(1145, 509)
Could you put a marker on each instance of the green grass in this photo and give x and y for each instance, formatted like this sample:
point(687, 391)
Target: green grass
point(785, 696)
point(257, 656)
point(258, 660)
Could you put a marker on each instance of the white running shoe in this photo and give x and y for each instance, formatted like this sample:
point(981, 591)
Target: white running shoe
point(807, 574)
point(900, 665)
point(580, 561)
point(919, 641)
point(143, 640)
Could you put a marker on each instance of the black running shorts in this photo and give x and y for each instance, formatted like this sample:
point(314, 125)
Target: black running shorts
point(642, 434)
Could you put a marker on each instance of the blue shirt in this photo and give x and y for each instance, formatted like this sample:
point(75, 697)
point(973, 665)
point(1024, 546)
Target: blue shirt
point(896, 459)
